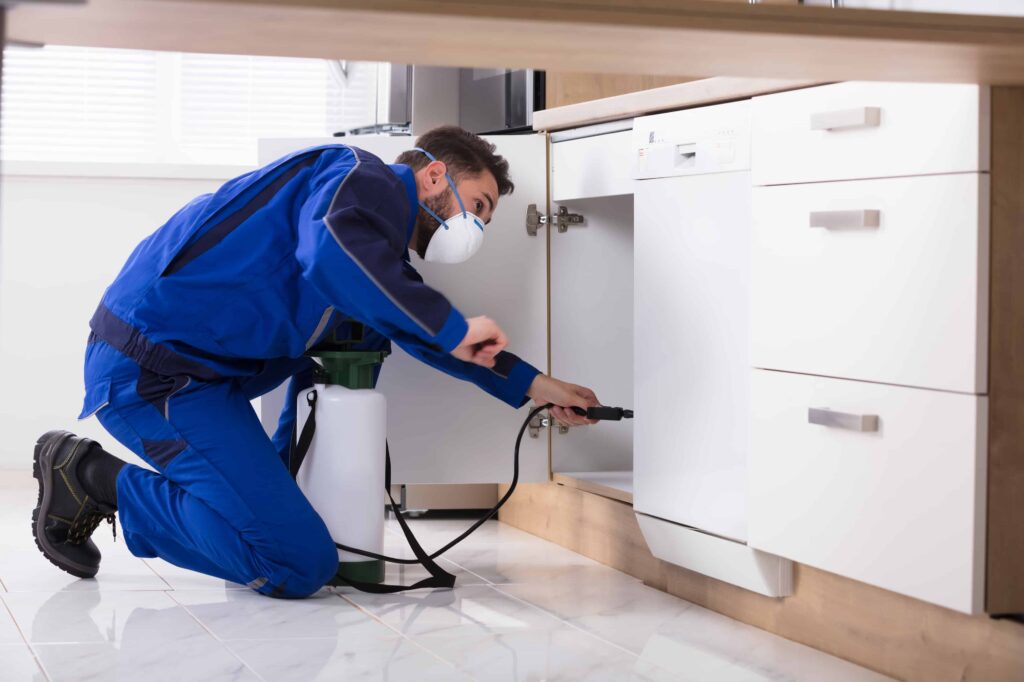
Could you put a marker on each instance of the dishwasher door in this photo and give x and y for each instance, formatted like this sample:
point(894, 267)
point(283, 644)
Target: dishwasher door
point(692, 242)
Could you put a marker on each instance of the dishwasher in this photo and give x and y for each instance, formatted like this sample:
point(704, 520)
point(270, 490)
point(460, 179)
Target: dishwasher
point(692, 372)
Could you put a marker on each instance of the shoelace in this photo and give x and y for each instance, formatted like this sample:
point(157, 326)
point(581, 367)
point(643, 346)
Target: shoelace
point(81, 530)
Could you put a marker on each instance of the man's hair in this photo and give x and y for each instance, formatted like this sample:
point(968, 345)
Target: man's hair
point(465, 154)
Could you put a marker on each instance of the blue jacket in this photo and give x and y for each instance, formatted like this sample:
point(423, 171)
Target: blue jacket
point(243, 281)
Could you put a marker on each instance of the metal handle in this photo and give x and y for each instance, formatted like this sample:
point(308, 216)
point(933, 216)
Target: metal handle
point(842, 420)
point(840, 219)
point(862, 117)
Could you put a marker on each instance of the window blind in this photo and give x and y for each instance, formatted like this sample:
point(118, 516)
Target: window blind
point(92, 104)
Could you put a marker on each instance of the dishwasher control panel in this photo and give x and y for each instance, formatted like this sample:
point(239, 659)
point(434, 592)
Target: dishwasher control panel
point(711, 139)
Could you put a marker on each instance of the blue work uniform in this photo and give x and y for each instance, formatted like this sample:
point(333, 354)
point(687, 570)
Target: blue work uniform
point(217, 307)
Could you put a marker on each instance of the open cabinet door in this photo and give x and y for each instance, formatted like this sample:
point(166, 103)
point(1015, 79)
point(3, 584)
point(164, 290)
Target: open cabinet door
point(442, 430)
point(592, 298)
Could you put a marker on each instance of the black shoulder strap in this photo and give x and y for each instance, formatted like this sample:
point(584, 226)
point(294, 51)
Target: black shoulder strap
point(297, 451)
point(438, 576)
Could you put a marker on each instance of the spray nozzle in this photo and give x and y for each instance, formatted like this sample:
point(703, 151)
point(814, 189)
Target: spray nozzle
point(602, 413)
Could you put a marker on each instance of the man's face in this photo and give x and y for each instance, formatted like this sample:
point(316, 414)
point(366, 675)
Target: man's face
point(479, 195)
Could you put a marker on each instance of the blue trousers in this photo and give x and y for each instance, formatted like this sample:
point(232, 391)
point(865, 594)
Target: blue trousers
point(221, 501)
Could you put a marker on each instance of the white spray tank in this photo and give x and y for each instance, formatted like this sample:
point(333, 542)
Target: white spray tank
point(342, 474)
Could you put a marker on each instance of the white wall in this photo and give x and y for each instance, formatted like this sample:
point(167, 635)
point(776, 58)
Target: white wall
point(62, 241)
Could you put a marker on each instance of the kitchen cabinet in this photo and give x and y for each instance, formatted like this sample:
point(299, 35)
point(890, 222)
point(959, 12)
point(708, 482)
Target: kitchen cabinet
point(595, 161)
point(880, 280)
point(853, 130)
point(898, 502)
point(661, 37)
point(870, 328)
point(808, 342)
point(592, 297)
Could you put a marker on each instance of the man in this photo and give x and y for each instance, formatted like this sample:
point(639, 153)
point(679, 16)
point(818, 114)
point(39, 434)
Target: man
point(219, 305)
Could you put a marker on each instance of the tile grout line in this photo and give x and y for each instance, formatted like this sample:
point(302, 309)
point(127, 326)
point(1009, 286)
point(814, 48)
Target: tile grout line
point(530, 605)
point(31, 649)
point(491, 583)
point(627, 576)
point(401, 634)
point(554, 615)
point(534, 538)
point(162, 579)
point(450, 561)
point(210, 632)
point(472, 573)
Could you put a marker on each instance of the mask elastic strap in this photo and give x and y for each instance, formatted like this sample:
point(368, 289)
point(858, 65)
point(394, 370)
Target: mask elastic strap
point(450, 184)
point(436, 217)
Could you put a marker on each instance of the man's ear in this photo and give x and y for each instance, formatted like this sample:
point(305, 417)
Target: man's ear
point(433, 179)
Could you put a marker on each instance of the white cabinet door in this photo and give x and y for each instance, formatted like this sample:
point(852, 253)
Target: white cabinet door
point(592, 328)
point(596, 166)
point(903, 300)
point(897, 502)
point(692, 350)
point(442, 430)
point(847, 131)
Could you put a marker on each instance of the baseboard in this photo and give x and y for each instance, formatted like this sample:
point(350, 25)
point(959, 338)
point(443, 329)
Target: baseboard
point(887, 632)
point(451, 496)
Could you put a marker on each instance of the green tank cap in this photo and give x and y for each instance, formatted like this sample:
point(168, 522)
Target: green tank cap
point(343, 366)
point(351, 369)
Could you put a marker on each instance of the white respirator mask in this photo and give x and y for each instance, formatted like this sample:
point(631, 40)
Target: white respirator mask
point(457, 238)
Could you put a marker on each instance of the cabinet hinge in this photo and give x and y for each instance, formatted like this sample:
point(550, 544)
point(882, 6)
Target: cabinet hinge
point(539, 422)
point(561, 220)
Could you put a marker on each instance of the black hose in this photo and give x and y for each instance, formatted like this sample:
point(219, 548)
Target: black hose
point(479, 522)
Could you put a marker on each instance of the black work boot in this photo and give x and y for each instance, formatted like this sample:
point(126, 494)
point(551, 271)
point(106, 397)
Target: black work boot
point(67, 511)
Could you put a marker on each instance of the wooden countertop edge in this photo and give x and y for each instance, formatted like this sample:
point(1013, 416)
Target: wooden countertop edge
point(681, 96)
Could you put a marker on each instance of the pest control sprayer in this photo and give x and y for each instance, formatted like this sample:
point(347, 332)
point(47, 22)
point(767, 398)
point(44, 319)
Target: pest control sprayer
point(343, 471)
point(341, 462)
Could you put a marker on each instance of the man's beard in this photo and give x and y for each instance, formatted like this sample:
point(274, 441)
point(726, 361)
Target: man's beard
point(426, 224)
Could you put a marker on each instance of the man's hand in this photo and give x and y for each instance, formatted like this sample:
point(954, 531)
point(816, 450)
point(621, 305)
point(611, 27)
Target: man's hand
point(564, 396)
point(482, 342)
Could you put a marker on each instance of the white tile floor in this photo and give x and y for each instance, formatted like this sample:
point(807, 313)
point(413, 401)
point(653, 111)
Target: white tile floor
point(523, 609)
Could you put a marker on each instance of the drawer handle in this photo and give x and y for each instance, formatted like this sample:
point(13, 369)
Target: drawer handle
point(842, 420)
point(844, 119)
point(841, 219)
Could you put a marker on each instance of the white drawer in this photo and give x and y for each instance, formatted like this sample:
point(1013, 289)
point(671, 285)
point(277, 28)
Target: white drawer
point(597, 166)
point(905, 302)
point(856, 130)
point(902, 507)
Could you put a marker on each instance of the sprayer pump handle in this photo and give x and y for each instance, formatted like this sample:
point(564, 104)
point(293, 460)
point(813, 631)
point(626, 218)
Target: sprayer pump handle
point(604, 413)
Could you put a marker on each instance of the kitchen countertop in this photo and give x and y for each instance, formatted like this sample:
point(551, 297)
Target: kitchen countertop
point(655, 37)
point(681, 96)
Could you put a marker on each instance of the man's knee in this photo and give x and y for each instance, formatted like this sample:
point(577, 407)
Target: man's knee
point(321, 565)
point(312, 562)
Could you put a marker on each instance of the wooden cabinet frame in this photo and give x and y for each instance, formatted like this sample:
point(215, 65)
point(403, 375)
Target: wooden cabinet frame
point(655, 37)
point(1005, 543)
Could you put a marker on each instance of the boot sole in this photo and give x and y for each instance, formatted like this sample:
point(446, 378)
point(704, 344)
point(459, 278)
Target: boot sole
point(42, 471)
